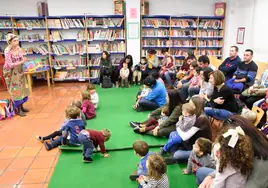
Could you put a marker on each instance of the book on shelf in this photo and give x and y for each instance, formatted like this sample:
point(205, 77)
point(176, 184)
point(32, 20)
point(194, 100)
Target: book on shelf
point(41, 49)
point(77, 74)
point(211, 24)
point(70, 63)
point(61, 75)
point(155, 33)
point(5, 24)
point(65, 23)
point(95, 61)
point(81, 35)
point(113, 47)
point(105, 22)
point(56, 36)
point(30, 37)
point(3, 36)
point(60, 49)
point(183, 33)
point(94, 73)
point(209, 43)
point(183, 23)
point(107, 35)
point(210, 33)
point(155, 22)
point(209, 52)
point(28, 24)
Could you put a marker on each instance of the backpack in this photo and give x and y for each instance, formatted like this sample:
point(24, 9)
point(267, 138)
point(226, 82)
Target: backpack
point(107, 82)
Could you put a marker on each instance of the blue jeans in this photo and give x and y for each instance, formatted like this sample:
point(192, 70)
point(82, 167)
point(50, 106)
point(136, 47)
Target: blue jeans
point(182, 155)
point(202, 173)
point(193, 91)
point(168, 78)
point(88, 146)
point(184, 91)
point(148, 105)
point(219, 114)
point(174, 138)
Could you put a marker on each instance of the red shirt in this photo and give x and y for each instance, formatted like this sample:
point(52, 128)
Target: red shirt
point(88, 109)
point(97, 139)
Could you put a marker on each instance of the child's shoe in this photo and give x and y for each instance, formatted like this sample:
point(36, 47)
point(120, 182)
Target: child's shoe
point(133, 177)
point(40, 138)
point(48, 146)
point(134, 124)
point(87, 159)
point(162, 151)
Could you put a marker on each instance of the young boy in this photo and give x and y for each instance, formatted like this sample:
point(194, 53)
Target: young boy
point(185, 123)
point(124, 73)
point(139, 69)
point(92, 139)
point(152, 122)
point(144, 92)
point(78, 104)
point(200, 156)
point(94, 95)
point(70, 131)
point(141, 149)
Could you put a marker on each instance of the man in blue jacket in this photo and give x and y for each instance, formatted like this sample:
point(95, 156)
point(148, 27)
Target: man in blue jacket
point(156, 98)
point(230, 64)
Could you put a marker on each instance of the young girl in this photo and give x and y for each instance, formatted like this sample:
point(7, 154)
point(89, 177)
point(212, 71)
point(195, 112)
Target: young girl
point(93, 94)
point(185, 123)
point(144, 92)
point(87, 106)
point(152, 122)
point(124, 73)
point(168, 70)
point(156, 176)
point(206, 89)
point(140, 71)
point(200, 156)
point(234, 155)
point(188, 76)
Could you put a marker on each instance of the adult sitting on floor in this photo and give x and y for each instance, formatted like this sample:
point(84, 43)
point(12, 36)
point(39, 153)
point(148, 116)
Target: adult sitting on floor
point(155, 99)
point(245, 74)
point(258, 177)
point(181, 152)
point(255, 92)
point(174, 104)
point(116, 74)
point(230, 64)
point(222, 103)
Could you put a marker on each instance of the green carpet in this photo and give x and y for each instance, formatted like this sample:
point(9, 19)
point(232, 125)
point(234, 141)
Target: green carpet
point(114, 113)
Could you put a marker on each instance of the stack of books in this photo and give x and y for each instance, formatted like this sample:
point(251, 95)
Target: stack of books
point(5, 24)
point(105, 22)
point(210, 33)
point(155, 33)
point(30, 24)
point(183, 33)
point(155, 22)
point(209, 43)
point(211, 24)
point(183, 23)
point(65, 23)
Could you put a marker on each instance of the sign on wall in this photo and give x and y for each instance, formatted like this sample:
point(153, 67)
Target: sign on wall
point(133, 30)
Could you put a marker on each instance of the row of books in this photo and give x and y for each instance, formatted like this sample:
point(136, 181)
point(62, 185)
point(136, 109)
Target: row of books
point(65, 23)
point(110, 47)
point(106, 34)
point(94, 73)
point(5, 24)
point(42, 49)
point(105, 22)
point(209, 52)
point(3, 36)
point(153, 32)
point(60, 49)
point(168, 43)
point(183, 23)
point(71, 75)
point(183, 33)
point(30, 37)
point(209, 43)
point(96, 61)
point(70, 63)
point(30, 24)
point(210, 33)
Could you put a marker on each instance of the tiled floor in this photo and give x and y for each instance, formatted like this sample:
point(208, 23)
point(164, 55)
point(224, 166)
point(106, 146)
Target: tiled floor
point(24, 162)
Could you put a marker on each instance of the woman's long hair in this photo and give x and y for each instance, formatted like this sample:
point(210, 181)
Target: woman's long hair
point(174, 99)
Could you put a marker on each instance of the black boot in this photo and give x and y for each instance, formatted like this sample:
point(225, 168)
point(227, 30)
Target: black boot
point(20, 112)
point(24, 109)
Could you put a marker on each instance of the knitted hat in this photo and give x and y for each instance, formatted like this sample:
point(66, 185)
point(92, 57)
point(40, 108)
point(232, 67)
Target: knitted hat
point(10, 37)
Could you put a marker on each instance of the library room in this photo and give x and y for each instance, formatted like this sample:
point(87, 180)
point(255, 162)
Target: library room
point(133, 93)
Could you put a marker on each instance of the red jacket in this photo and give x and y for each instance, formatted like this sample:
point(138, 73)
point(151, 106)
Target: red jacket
point(97, 139)
point(88, 109)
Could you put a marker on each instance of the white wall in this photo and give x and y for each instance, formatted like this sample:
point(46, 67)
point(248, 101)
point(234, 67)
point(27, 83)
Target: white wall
point(18, 7)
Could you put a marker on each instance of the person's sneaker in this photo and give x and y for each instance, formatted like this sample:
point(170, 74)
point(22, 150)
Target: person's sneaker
point(48, 146)
point(162, 151)
point(137, 130)
point(133, 177)
point(134, 124)
point(170, 161)
point(87, 159)
point(40, 138)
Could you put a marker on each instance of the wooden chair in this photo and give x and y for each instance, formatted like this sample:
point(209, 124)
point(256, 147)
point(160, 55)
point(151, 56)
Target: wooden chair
point(261, 68)
point(259, 113)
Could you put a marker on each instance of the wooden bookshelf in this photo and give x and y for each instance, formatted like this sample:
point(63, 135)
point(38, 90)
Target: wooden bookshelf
point(203, 35)
point(71, 45)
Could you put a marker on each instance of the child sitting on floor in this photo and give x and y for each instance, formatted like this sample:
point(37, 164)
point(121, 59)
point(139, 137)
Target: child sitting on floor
point(152, 122)
point(185, 123)
point(69, 131)
point(200, 156)
point(93, 94)
point(144, 92)
point(78, 104)
point(141, 149)
point(139, 70)
point(87, 106)
point(124, 73)
point(91, 139)
point(156, 177)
